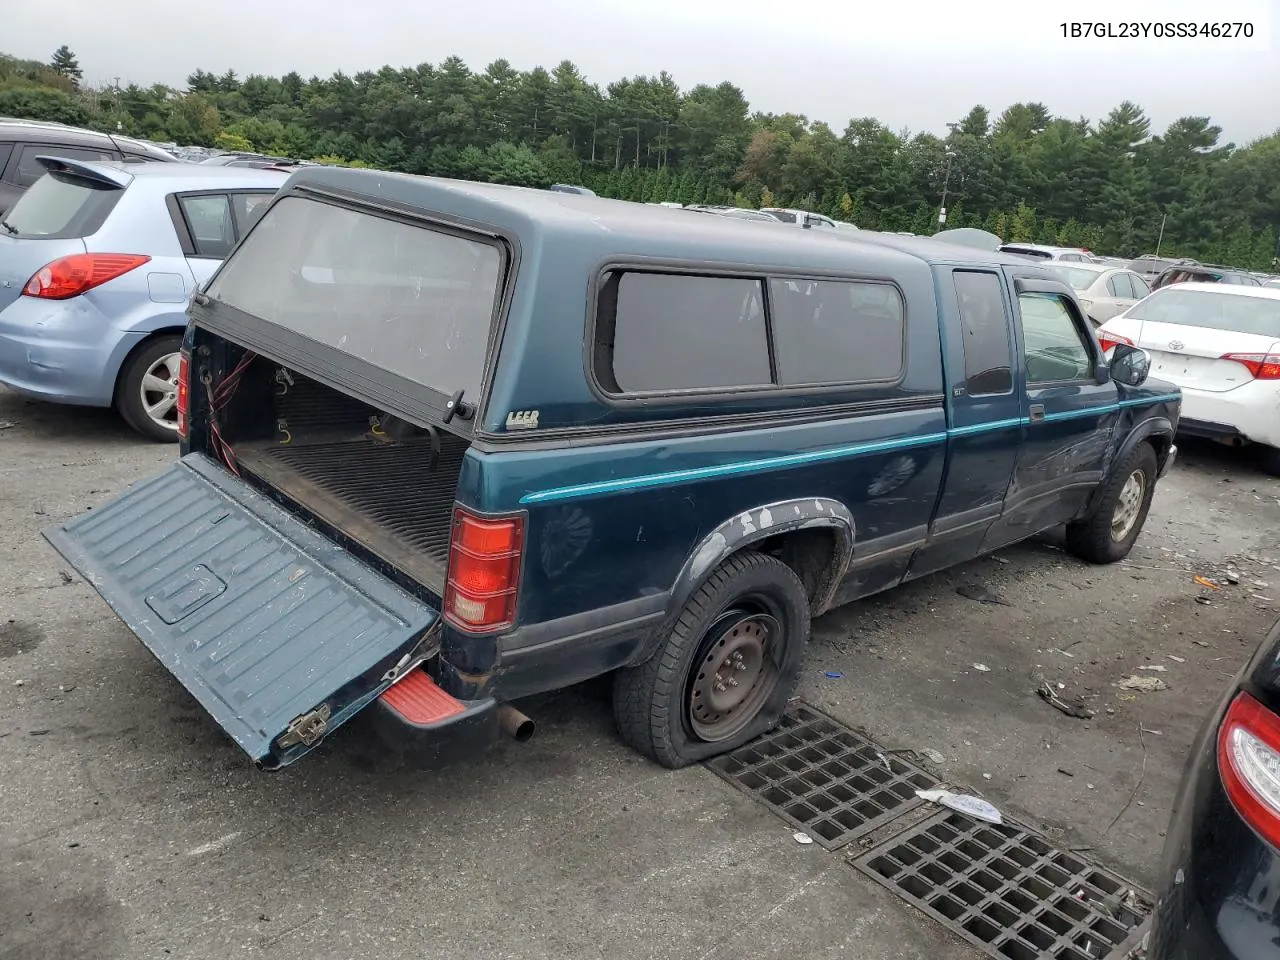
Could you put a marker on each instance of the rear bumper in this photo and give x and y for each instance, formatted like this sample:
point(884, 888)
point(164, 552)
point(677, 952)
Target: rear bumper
point(429, 729)
point(1249, 412)
point(63, 351)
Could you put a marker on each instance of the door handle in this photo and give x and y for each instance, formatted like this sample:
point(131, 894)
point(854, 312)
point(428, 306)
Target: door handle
point(1037, 412)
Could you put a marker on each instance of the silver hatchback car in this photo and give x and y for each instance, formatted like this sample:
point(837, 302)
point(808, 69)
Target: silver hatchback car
point(97, 263)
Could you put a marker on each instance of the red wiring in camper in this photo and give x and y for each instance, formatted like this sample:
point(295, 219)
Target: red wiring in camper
point(218, 400)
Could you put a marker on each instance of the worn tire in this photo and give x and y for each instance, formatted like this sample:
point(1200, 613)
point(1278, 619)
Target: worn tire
point(128, 399)
point(650, 701)
point(1093, 538)
point(1270, 461)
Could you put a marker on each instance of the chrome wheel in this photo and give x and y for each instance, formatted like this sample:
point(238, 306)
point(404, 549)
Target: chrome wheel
point(159, 391)
point(1128, 506)
point(733, 675)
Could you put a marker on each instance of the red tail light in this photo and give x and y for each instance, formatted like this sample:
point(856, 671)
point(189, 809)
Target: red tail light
point(1249, 762)
point(184, 394)
point(1109, 340)
point(73, 275)
point(1263, 366)
point(484, 571)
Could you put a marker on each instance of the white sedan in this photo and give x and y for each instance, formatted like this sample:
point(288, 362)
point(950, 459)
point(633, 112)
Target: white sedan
point(1221, 345)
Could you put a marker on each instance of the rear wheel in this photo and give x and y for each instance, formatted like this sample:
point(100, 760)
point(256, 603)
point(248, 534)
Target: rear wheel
point(726, 670)
point(147, 391)
point(1110, 530)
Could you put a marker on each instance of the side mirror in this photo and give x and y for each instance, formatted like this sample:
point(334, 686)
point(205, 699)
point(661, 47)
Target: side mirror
point(1130, 365)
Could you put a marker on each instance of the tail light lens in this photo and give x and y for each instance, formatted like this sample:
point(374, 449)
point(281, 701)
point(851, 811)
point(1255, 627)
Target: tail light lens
point(184, 394)
point(1249, 762)
point(1262, 366)
point(484, 571)
point(71, 276)
point(1109, 340)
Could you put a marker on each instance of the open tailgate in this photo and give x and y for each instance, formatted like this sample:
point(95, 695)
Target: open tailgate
point(280, 633)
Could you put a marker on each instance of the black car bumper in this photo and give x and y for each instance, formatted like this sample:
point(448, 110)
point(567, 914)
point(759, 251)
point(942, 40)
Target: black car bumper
point(429, 729)
point(1221, 895)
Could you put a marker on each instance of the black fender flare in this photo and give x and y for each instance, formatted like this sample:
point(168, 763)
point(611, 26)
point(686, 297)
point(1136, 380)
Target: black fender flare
point(760, 523)
point(1140, 433)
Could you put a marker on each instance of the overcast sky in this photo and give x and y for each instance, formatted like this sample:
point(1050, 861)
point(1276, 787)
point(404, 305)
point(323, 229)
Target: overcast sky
point(910, 63)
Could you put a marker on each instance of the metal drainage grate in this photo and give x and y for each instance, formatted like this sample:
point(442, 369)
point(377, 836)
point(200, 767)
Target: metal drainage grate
point(1008, 891)
point(823, 778)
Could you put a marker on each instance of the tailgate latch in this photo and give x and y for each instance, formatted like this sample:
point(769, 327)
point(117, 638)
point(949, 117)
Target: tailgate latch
point(306, 729)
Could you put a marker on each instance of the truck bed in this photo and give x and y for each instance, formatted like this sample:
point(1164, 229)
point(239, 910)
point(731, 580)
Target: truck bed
point(382, 494)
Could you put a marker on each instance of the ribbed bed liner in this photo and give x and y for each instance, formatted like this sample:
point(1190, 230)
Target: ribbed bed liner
point(381, 493)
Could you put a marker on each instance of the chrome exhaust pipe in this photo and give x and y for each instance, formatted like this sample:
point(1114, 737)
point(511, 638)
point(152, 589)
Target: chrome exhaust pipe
point(515, 724)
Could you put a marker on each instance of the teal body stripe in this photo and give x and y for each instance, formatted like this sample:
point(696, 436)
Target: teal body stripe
point(816, 456)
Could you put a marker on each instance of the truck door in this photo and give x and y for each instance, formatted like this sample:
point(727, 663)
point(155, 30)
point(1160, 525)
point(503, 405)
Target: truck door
point(1070, 407)
point(985, 415)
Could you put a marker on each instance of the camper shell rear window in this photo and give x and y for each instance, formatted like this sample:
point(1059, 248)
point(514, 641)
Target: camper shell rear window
point(414, 299)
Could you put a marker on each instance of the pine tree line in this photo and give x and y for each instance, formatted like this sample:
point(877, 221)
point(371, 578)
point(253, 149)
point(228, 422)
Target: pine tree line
point(1110, 185)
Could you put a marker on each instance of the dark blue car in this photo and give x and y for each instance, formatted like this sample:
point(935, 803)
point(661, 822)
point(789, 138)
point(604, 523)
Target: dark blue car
point(449, 444)
point(1220, 896)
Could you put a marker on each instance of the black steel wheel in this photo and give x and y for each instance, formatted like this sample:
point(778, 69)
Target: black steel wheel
point(735, 673)
point(725, 671)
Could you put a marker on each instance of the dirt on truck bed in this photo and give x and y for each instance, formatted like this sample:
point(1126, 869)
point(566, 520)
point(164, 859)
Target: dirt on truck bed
point(130, 827)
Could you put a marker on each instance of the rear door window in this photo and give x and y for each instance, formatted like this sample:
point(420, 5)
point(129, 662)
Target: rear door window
point(209, 223)
point(659, 332)
point(988, 354)
point(61, 206)
point(30, 169)
point(1140, 287)
point(837, 331)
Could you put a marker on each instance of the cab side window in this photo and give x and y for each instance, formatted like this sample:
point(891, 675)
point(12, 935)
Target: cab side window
point(1054, 347)
point(988, 355)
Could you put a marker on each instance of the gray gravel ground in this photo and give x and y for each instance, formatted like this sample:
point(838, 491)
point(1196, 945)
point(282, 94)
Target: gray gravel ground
point(131, 828)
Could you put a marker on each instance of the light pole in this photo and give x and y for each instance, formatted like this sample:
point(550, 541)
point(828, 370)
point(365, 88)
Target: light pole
point(946, 180)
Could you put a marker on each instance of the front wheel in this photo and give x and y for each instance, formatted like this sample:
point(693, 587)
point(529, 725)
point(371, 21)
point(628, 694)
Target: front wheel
point(725, 672)
point(1112, 527)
